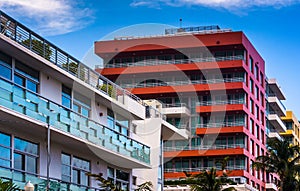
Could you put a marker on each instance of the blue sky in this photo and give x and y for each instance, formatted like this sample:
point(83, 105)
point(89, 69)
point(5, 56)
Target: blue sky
point(273, 26)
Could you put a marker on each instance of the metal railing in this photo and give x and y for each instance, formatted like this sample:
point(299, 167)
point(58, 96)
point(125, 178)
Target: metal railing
point(40, 46)
point(155, 62)
point(186, 82)
point(221, 102)
point(199, 169)
point(170, 105)
point(224, 124)
point(33, 105)
point(204, 147)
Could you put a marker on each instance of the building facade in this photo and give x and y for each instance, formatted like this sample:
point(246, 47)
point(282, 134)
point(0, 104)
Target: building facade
point(292, 128)
point(211, 82)
point(61, 120)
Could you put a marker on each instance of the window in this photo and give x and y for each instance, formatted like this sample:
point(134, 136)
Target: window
point(117, 122)
point(26, 77)
point(25, 155)
point(119, 178)
point(256, 71)
point(251, 64)
point(256, 93)
point(81, 104)
point(251, 85)
point(257, 111)
point(5, 66)
point(75, 169)
point(66, 97)
point(251, 106)
point(262, 79)
point(5, 150)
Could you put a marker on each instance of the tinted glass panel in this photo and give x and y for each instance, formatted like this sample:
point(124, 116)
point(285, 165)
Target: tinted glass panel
point(4, 140)
point(19, 80)
point(31, 86)
point(18, 161)
point(5, 72)
point(25, 146)
point(31, 164)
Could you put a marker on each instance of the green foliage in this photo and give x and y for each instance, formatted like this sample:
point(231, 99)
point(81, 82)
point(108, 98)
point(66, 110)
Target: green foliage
point(147, 186)
point(282, 159)
point(38, 47)
point(104, 183)
point(71, 67)
point(206, 180)
point(7, 186)
point(109, 89)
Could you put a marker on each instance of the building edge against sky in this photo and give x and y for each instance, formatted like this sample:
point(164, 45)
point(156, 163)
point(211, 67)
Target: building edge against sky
point(150, 66)
point(60, 120)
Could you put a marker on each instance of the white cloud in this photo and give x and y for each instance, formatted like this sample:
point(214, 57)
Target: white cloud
point(227, 4)
point(49, 17)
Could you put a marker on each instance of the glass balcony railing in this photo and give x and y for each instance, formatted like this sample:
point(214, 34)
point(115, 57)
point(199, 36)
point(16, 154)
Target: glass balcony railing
point(155, 62)
point(186, 82)
point(40, 46)
point(204, 147)
point(221, 102)
point(199, 169)
point(40, 182)
point(37, 107)
point(224, 124)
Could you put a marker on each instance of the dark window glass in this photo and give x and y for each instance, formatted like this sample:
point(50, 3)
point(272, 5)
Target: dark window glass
point(31, 85)
point(31, 164)
point(4, 140)
point(5, 72)
point(66, 96)
point(26, 146)
point(27, 71)
point(19, 80)
point(19, 161)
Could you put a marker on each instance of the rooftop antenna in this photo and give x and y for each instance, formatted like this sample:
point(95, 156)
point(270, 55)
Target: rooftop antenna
point(180, 22)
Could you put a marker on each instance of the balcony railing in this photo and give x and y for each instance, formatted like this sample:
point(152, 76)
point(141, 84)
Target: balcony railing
point(199, 169)
point(155, 62)
point(40, 108)
point(40, 46)
point(216, 125)
point(186, 82)
point(20, 178)
point(221, 102)
point(175, 105)
point(204, 147)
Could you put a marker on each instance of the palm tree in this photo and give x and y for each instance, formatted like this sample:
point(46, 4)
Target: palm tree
point(7, 186)
point(146, 186)
point(209, 181)
point(104, 183)
point(282, 159)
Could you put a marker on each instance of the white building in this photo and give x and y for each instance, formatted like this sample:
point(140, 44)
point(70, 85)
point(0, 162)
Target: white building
point(59, 120)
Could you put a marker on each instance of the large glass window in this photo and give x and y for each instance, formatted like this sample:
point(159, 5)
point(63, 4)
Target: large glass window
point(25, 155)
point(5, 144)
point(66, 97)
point(75, 169)
point(117, 122)
point(5, 66)
point(119, 177)
point(81, 104)
point(26, 77)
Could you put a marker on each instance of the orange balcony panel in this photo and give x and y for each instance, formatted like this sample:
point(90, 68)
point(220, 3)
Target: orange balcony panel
point(177, 175)
point(221, 130)
point(188, 88)
point(171, 68)
point(219, 108)
point(212, 152)
point(113, 47)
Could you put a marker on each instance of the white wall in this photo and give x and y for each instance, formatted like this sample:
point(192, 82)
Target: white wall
point(50, 88)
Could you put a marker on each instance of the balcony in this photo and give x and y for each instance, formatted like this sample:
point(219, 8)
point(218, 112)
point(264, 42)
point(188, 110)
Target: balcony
point(20, 178)
point(14, 34)
point(220, 128)
point(156, 62)
point(276, 105)
point(276, 122)
point(203, 147)
point(275, 135)
point(72, 124)
point(275, 88)
point(176, 110)
point(199, 169)
point(221, 106)
point(186, 82)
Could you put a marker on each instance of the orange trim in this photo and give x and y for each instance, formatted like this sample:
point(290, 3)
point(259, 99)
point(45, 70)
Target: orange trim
point(176, 175)
point(104, 48)
point(188, 88)
point(219, 108)
point(211, 152)
point(222, 130)
point(171, 68)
